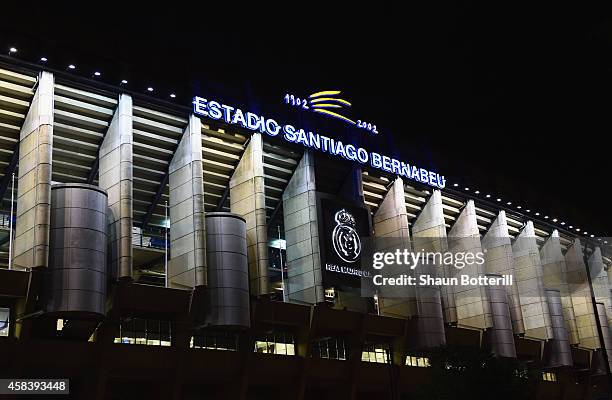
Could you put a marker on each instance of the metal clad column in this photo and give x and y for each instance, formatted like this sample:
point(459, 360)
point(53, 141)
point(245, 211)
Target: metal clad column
point(473, 308)
point(600, 281)
point(304, 282)
point(554, 274)
point(77, 259)
point(228, 271)
point(248, 199)
point(500, 260)
point(429, 235)
point(116, 178)
point(581, 297)
point(561, 351)
point(391, 223)
point(34, 180)
point(501, 338)
point(187, 267)
point(528, 270)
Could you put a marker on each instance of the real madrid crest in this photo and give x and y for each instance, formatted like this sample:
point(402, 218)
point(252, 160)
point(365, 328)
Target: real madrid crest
point(345, 238)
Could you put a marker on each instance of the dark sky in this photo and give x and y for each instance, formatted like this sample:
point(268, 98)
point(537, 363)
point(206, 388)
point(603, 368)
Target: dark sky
point(511, 99)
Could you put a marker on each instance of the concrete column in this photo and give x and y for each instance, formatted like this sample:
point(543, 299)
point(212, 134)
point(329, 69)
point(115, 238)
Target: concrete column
point(528, 270)
point(429, 235)
point(116, 177)
point(248, 198)
point(601, 286)
point(473, 307)
point(578, 286)
point(554, 274)
point(500, 260)
point(187, 267)
point(34, 179)
point(391, 232)
point(304, 280)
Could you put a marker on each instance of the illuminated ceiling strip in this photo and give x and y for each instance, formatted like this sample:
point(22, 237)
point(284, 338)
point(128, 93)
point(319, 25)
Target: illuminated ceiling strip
point(325, 93)
point(333, 114)
point(326, 105)
point(323, 99)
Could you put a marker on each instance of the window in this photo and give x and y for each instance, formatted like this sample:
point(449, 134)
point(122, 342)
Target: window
point(4, 322)
point(332, 348)
point(376, 353)
point(276, 343)
point(144, 331)
point(549, 376)
point(417, 361)
point(215, 340)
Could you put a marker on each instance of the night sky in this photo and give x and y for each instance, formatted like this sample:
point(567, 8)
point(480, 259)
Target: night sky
point(508, 99)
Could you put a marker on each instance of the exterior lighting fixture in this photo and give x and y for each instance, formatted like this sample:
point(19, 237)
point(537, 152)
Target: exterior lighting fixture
point(477, 192)
point(571, 227)
point(97, 73)
point(562, 223)
point(509, 203)
point(498, 199)
point(546, 217)
point(519, 207)
point(488, 196)
point(592, 235)
point(149, 89)
point(577, 229)
point(555, 219)
point(43, 59)
point(537, 214)
point(124, 82)
point(172, 95)
point(456, 184)
point(467, 189)
point(528, 210)
point(72, 66)
point(12, 50)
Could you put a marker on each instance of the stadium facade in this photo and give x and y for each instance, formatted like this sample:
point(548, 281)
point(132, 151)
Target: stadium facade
point(165, 251)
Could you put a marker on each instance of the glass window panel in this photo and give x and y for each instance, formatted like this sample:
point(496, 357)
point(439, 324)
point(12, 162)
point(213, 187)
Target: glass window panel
point(4, 321)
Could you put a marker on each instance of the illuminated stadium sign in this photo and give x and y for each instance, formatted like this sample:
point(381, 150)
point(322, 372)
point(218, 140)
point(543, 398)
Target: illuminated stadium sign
point(327, 103)
point(248, 120)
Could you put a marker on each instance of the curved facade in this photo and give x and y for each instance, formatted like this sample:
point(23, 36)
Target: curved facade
point(227, 293)
point(77, 258)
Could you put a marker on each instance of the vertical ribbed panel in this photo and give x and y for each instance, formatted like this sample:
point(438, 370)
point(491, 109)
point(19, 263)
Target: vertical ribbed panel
point(248, 199)
point(528, 270)
point(581, 296)
point(501, 338)
point(391, 229)
point(560, 349)
point(554, 274)
point(499, 259)
point(429, 235)
point(34, 179)
point(304, 281)
point(472, 304)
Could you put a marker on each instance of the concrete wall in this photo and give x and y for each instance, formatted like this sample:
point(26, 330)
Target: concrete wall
point(530, 283)
point(34, 179)
point(248, 198)
point(473, 308)
point(304, 279)
point(187, 265)
point(116, 177)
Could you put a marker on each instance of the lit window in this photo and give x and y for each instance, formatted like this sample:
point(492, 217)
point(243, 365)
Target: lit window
point(144, 331)
point(59, 325)
point(378, 353)
point(215, 340)
point(276, 343)
point(4, 321)
point(417, 361)
point(549, 376)
point(331, 348)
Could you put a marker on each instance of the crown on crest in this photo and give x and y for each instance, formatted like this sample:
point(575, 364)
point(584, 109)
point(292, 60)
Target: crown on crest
point(343, 217)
